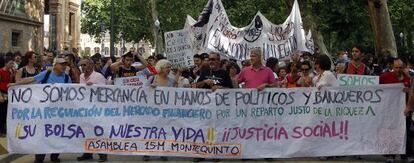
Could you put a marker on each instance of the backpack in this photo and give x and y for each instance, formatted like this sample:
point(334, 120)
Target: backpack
point(48, 74)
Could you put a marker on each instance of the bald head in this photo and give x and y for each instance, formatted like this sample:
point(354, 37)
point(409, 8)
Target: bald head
point(398, 66)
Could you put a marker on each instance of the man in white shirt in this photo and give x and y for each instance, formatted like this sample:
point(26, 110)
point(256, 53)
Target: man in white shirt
point(89, 76)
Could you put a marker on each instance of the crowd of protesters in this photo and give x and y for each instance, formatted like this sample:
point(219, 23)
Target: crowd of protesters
point(210, 71)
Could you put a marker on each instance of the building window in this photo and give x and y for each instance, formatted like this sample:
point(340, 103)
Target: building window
point(71, 17)
point(15, 40)
point(46, 7)
point(106, 51)
point(20, 7)
point(116, 51)
point(14, 7)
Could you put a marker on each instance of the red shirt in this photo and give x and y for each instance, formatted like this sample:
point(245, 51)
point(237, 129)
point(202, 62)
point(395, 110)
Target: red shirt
point(390, 78)
point(291, 81)
point(4, 79)
point(253, 78)
point(351, 69)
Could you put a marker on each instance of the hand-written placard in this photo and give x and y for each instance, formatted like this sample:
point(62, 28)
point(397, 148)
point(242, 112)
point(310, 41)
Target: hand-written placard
point(232, 123)
point(214, 32)
point(178, 48)
point(138, 80)
point(353, 80)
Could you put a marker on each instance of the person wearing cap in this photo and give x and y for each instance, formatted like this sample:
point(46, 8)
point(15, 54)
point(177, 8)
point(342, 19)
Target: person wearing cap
point(55, 75)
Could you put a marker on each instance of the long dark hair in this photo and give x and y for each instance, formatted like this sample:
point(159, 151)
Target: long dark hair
point(72, 59)
point(233, 64)
point(4, 60)
point(324, 62)
point(272, 63)
point(25, 59)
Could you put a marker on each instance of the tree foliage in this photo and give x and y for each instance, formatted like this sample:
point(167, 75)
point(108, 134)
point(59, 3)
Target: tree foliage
point(132, 19)
point(172, 14)
point(341, 23)
point(402, 19)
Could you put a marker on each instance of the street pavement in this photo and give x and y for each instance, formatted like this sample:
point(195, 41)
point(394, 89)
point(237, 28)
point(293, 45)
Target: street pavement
point(69, 158)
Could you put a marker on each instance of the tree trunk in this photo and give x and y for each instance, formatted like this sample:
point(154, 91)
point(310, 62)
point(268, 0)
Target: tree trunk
point(409, 41)
point(320, 47)
point(382, 28)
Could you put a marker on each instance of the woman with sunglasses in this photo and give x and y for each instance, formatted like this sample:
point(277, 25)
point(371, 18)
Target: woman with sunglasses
point(305, 79)
point(74, 71)
point(27, 66)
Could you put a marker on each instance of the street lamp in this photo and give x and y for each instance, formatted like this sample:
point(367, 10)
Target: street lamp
point(157, 23)
point(157, 30)
point(402, 42)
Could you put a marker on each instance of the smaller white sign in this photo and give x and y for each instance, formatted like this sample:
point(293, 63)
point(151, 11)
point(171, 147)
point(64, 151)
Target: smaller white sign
point(353, 80)
point(178, 48)
point(138, 80)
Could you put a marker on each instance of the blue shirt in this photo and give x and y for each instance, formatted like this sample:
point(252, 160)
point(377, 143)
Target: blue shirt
point(53, 77)
point(47, 65)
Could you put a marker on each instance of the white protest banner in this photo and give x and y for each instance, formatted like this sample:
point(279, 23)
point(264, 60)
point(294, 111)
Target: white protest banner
point(178, 48)
point(138, 80)
point(232, 123)
point(214, 32)
point(353, 80)
point(310, 45)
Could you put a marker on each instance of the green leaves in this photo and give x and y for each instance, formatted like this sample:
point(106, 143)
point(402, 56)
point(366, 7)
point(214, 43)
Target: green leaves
point(341, 22)
point(132, 19)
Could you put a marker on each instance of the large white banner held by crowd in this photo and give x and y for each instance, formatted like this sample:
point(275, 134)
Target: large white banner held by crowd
point(214, 32)
point(236, 123)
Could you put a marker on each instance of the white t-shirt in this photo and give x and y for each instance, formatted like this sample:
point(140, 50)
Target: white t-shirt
point(326, 79)
point(94, 78)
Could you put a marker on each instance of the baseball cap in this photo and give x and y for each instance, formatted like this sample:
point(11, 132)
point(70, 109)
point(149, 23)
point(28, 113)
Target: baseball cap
point(59, 60)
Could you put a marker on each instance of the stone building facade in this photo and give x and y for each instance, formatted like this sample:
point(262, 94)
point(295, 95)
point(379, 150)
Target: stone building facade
point(90, 46)
point(22, 25)
point(64, 20)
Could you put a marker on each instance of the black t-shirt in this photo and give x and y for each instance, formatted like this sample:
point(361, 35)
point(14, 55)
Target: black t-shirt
point(26, 74)
point(123, 72)
point(220, 77)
